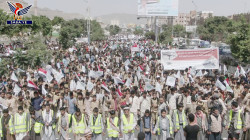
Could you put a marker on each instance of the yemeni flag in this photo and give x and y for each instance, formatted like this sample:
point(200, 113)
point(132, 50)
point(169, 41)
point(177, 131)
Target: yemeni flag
point(227, 79)
point(135, 48)
point(141, 67)
point(74, 49)
point(42, 72)
point(105, 47)
point(105, 86)
point(32, 85)
point(119, 92)
point(117, 80)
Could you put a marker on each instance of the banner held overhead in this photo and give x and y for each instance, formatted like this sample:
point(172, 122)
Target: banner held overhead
point(197, 58)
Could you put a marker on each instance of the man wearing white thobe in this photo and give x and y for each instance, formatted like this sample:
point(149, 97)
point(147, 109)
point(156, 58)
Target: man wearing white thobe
point(134, 102)
point(145, 103)
point(48, 122)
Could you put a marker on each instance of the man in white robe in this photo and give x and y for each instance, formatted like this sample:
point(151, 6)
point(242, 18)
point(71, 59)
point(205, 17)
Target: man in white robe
point(48, 122)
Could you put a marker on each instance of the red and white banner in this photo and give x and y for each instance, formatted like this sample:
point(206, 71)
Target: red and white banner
point(105, 47)
point(197, 58)
point(105, 86)
point(135, 48)
point(42, 72)
point(119, 92)
point(32, 85)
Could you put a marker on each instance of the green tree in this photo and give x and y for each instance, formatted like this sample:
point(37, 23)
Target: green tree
point(179, 31)
point(41, 24)
point(21, 59)
point(138, 31)
point(150, 35)
point(57, 21)
point(166, 36)
point(10, 30)
point(240, 41)
point(129, 31)
point(76, 28)
point(216, 29)
point(36, 54)
point(70, 30)
point(46, 25)
point(97, 32)
point(114, 29)
point(67, 37)
point(3, 66)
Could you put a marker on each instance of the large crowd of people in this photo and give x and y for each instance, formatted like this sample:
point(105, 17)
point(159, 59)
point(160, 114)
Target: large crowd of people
point(105, 90)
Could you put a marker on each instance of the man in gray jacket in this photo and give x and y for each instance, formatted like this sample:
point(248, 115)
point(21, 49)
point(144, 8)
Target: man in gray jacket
point(164, 126)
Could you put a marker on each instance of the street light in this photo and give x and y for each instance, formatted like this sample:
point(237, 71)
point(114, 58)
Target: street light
point(88, 20)
point(196, 8)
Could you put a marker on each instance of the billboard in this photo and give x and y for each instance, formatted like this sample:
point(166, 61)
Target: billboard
point(197, 58)
point(191, 29)
point(158, 7)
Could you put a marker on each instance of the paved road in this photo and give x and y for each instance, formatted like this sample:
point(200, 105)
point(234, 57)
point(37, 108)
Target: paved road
point(224, 136)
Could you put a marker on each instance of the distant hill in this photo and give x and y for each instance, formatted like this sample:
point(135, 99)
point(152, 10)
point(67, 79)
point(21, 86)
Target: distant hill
point(41, 11)
point(123, 18)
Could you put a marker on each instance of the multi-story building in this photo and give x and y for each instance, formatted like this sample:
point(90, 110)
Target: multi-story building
point(115, 22)
point(192, 18)
point(182, 19)
point(237, 17)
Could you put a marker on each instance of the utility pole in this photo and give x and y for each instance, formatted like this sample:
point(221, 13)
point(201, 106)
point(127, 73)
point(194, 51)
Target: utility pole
point(195, 22)
point(88, 20)
point(172, 23)
point(88, 23)
point(156, 30)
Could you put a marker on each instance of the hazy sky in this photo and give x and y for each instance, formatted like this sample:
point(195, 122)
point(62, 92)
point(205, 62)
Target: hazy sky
point(103, 7)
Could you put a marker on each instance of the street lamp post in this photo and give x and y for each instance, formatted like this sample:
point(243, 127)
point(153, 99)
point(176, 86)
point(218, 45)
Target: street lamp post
point(88, 21)
point(156, 30)
point(195, 19)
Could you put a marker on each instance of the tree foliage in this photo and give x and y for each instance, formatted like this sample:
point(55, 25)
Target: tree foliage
point(3, 66)
point(216, 29)
point(166, 36)
point(9, 30)
point(73, 29)
point(138, 31)
point(150, 35)
point(240, 41)
point(114, 29)
point(36, 54)
point(57, 21)
point(179, 31)
point(41, 24)
point(70, 30)
point(97, 32)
